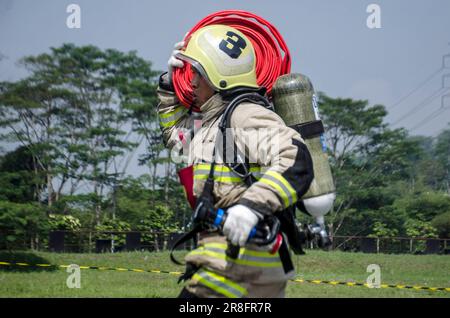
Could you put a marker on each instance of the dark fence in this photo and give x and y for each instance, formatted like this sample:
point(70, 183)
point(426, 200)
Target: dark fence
point(115, 241)
point(391, 245)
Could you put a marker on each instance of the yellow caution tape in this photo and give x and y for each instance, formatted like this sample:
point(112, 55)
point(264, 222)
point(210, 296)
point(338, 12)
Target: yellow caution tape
point(297, 280)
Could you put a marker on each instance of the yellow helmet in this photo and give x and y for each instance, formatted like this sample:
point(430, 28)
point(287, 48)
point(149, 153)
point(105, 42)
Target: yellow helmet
point(222, 55)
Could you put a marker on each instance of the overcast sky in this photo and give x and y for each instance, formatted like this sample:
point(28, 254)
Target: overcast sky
point(328, 40)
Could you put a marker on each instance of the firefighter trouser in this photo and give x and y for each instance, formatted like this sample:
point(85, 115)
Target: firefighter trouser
point(254, 273)
point(221, 289)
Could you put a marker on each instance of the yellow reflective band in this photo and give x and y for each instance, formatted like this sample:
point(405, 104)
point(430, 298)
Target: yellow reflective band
point(281, 185)
point(207, 166)
point(221, 168)
point(220, 284)
point(238, 261)
point(218, 179)
point(171, 118)
point(283, 180)
point(169, 124)
point(169, 114)
point(222, 173)
point(278, 188)
point(242, 251)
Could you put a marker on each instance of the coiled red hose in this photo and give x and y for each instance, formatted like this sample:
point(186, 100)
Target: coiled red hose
point(272, 54)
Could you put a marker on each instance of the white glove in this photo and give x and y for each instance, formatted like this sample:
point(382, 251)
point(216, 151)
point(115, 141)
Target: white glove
point(240, 221)
point(173, 61)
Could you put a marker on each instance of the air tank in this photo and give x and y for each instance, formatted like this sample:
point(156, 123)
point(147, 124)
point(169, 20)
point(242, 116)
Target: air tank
point(295, 102)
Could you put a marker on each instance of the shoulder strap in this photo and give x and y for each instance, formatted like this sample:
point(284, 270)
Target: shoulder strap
point(240, 167)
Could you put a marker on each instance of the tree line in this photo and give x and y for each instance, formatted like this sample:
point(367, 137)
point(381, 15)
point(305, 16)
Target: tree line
point(71, 127)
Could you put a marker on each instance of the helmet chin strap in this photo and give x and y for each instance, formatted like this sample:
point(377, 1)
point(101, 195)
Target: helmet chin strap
point(234, 92)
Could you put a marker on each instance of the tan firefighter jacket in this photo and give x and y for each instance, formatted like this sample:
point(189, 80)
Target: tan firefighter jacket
point(277, 158)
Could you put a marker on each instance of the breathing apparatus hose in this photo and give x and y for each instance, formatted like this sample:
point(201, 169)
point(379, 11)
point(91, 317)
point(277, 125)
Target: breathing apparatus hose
point(272, 54)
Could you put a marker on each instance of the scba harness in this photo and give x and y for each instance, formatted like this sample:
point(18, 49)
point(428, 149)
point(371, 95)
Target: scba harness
point(272, 228)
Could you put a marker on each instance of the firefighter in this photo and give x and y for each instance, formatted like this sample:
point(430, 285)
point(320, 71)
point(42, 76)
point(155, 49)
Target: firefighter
point(223, 63)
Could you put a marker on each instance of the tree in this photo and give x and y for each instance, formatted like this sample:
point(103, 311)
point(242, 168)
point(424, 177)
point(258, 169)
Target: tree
point(20, 179)
point(139, 206)
point(442, 224)
point(21, 225)
point(74, 113)
point(442, 155)
point(348, 124)
point(370, 163)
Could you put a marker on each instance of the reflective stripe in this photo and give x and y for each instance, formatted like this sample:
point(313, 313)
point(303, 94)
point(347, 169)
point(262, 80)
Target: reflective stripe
point(221, 168)
point(243, 250)
point(169, 119)
point(257, 175)
point(222, 173)
point(252, 260)
point(220, 284)
point(245, 258)
point(242, 260)
point(286, 184)
point(218, 178)
point(279, 183)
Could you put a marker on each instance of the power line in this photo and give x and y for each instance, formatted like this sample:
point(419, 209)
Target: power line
point(427, 100)
point(431, 116)
point(429, 78)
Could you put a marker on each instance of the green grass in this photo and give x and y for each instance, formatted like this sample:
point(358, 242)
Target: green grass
point(423, 270)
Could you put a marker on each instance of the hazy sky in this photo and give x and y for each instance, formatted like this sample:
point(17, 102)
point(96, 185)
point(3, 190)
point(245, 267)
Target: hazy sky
point(328, 40)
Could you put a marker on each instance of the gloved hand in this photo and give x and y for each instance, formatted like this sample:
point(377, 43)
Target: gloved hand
point(240, 221)
point(173, 61)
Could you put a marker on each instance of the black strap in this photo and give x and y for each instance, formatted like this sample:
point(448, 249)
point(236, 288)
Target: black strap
point(186, 237)
point(230, 95)
point(191, 269)
point(310, 129)
point(240, 168)
point(285, 257)
point(164, 82)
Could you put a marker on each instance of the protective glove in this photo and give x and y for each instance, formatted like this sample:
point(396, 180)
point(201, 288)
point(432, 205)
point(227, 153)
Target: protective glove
point(173, 61)
point(240, 221)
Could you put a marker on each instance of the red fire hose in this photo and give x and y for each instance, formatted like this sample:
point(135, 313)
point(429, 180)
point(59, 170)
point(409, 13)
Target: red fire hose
point(272, 55)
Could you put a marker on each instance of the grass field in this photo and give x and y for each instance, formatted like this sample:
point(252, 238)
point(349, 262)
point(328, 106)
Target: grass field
point(422, 270)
